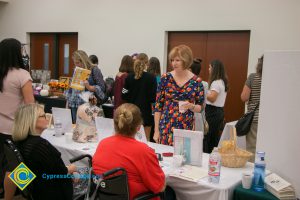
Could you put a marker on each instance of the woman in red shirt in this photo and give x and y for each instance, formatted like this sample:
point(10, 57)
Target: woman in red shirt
point(122, 150)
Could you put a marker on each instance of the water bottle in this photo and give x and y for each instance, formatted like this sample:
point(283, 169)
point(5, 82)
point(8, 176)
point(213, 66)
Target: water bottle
point(214, 166)
point(258, 182)
point(58, 127)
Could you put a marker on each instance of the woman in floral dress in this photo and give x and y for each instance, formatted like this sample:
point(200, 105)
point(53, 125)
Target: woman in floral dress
point(178, 85)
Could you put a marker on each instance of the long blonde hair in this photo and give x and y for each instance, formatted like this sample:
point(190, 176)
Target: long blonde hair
point(127, 118)
point(25, 121)
point(138, 68)
point(82, 57)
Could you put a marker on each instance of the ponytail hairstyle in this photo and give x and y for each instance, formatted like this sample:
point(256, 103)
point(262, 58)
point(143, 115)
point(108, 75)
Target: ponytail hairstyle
point(127, 118)
point(139, 67)
point(218, 72)
point(196, 66)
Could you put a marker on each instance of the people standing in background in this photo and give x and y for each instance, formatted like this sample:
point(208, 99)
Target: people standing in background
point(154, 68)
point(215, 101)
point(251, 95)
point(196, 69)
point(81, 59)
point(140, 89)
point(96, 83)
point(125, 68)
point(15, 90)
point(178, 85)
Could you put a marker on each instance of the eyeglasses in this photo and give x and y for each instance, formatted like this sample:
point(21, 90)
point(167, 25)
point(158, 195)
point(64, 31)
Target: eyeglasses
point(44, 116)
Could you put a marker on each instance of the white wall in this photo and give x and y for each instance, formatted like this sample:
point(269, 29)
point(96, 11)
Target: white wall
point(113, 28)
point(278, 126)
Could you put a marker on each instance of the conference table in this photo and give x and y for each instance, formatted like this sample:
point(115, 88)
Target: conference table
point(185, 190)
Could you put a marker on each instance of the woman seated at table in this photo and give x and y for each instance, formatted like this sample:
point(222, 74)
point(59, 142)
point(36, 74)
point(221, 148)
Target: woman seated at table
point(40, 156)
point(122, 150)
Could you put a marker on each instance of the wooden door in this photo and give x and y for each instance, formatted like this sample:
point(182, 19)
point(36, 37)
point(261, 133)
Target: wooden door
point(42, 51)
point(67, 45)
point(232, 48)
point(53, 51)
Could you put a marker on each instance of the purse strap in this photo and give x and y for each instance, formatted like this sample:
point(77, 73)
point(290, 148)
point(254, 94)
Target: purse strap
point(256, 106)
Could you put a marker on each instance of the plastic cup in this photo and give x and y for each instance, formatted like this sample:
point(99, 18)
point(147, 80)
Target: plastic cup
point(247, 180)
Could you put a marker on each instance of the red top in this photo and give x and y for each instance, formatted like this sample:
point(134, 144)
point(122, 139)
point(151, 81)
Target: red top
point(139, 160)
point(118, 86)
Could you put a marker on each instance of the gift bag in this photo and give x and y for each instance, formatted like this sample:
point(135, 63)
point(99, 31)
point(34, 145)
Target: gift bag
point(85, 130)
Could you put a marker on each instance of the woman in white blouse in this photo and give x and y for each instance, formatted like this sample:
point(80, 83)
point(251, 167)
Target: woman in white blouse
point(215, 100)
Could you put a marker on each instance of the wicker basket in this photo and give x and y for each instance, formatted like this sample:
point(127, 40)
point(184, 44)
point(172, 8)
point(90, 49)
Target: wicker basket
point(231, 155)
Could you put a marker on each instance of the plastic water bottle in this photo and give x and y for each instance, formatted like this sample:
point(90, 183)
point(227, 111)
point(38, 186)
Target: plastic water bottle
point(258, 182)
point(214, 166)
point(58, 127)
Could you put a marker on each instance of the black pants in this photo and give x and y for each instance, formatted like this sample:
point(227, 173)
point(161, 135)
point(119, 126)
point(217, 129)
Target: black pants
point(3, 161)
point(214, 117)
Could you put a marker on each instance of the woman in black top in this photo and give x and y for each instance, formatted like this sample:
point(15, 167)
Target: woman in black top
point(40, 156)
point(140, 89)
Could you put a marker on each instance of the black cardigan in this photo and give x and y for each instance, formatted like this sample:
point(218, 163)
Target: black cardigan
point(44, 159)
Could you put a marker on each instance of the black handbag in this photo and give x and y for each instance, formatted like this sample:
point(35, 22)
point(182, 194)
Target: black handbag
point(243, 125)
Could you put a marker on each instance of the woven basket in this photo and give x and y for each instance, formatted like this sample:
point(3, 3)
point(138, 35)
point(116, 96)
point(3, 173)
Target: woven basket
point(231, 155)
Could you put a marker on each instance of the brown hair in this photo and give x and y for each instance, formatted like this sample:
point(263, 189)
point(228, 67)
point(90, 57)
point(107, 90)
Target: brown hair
point(184, 53)
point(154, 66)
point(218, 72)
point(143, 58)
point(259, 66)
point(127, 118)
point(126, 64)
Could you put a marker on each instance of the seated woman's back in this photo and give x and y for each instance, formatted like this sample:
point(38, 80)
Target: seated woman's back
point(122, 150)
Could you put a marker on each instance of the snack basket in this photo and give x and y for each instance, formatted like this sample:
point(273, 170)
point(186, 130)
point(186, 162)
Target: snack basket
point(232, 156)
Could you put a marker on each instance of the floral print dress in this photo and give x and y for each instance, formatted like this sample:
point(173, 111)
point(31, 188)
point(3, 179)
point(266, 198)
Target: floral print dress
point(167, 98)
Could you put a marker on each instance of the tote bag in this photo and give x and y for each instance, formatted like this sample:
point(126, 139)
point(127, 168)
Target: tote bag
point(243, 125)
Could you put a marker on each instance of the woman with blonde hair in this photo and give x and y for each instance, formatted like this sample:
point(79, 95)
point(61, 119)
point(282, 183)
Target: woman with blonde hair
point(140, 89)
point(95, 83)
point(39, 155)
point(139, 160)
point(179, 85)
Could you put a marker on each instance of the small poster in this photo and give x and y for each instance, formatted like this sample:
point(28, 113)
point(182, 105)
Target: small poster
point(189, 144)
point(79, 76)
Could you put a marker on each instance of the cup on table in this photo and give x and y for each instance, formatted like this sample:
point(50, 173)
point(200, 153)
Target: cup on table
point(177, 161)
point(247, 180)
point(69, 137)
point(180, 104)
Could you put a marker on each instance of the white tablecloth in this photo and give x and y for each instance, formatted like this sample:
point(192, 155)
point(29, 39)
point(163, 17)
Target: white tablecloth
point(185, 190)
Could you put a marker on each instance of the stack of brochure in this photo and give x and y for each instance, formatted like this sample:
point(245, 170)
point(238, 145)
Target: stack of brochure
point(279, 187)
point(190, 173)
